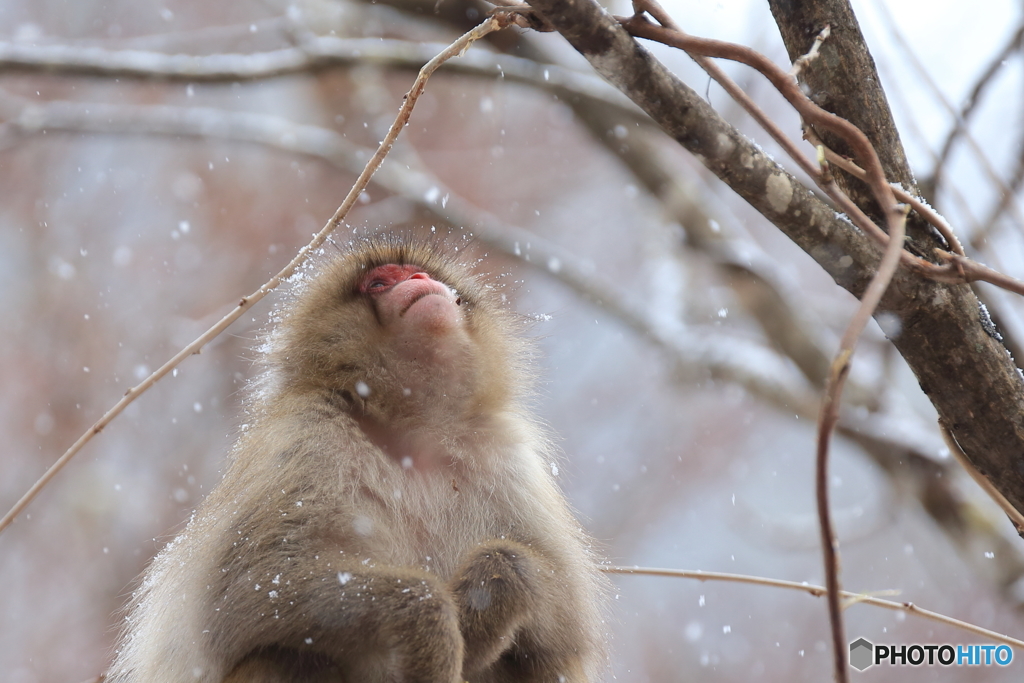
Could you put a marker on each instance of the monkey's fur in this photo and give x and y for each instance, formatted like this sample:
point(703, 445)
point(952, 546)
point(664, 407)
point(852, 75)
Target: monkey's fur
point(389, 515)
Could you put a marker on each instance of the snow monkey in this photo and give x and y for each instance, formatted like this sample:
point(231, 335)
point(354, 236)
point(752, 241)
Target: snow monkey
point(389, 514)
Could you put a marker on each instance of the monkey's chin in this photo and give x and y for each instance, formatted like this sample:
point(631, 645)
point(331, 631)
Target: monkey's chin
point(433, 314)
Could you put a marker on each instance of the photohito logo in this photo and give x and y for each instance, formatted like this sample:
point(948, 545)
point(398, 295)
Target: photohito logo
point(864, 654)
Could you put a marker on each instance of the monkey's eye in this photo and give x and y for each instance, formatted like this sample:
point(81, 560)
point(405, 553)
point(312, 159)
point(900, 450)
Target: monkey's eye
point(383, 278)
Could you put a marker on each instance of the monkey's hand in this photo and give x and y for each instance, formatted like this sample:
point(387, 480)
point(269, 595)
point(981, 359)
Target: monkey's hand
point(362, 620)
point(497, 591)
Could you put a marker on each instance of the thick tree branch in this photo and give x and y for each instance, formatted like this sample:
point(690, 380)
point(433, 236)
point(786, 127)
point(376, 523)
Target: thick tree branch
point(945, 336)
point(843, 81)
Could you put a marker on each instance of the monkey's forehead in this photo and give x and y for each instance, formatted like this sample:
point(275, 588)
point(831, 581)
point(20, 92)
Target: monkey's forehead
point(438, 259)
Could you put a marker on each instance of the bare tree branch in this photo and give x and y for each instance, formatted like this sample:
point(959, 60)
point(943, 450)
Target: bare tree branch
point(959, 122)
point(827, 419)
point(818, 591)
point(315, 53)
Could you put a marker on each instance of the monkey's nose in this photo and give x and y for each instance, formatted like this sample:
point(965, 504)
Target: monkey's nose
point(419, 276)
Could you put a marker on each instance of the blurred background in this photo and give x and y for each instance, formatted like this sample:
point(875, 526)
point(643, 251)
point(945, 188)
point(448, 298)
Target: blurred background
point(684, 339)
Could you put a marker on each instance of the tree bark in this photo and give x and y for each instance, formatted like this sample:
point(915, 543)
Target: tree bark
point(843, 80)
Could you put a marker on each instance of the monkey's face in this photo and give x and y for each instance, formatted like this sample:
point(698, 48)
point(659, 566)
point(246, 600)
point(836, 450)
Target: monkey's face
point(421, 322)
point(411, 303)
point(398, 330)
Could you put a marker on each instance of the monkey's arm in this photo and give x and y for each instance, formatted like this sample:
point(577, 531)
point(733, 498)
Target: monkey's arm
point(511, 601)
point(358, 620)
point(496, 590)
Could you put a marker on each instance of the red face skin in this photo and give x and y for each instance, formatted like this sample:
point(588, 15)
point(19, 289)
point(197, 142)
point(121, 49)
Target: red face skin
point(409, 302)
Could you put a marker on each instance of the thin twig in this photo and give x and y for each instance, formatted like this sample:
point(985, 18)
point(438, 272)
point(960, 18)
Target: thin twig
point(960, 121)
point(912, 127)
point(981, 235)
point(827, 420)
point(669, 34)
point(953, 268)
point(734, 90)
point(698, 50)
point(315, 53)
point(818, 591)
point(959, 117)
point(640, 27)
point(926, 77)
point(928, 213)
point(492, 23)
point(859, 218)
point(803, 60)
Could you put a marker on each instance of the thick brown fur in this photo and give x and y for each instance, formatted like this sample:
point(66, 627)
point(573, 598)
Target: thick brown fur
point(389, 515)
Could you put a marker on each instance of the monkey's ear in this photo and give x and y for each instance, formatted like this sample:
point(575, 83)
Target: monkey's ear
point(342, 399)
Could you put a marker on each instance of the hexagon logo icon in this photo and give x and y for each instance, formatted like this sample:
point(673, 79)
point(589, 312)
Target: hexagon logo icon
point(861, 654)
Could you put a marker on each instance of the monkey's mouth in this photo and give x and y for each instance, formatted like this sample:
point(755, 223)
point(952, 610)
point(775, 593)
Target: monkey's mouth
point(417, 298)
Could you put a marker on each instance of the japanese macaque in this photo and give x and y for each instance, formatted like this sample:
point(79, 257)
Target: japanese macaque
point(389, 514)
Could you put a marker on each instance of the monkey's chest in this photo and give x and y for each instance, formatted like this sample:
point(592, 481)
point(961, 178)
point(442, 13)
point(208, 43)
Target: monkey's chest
point(432, 522)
